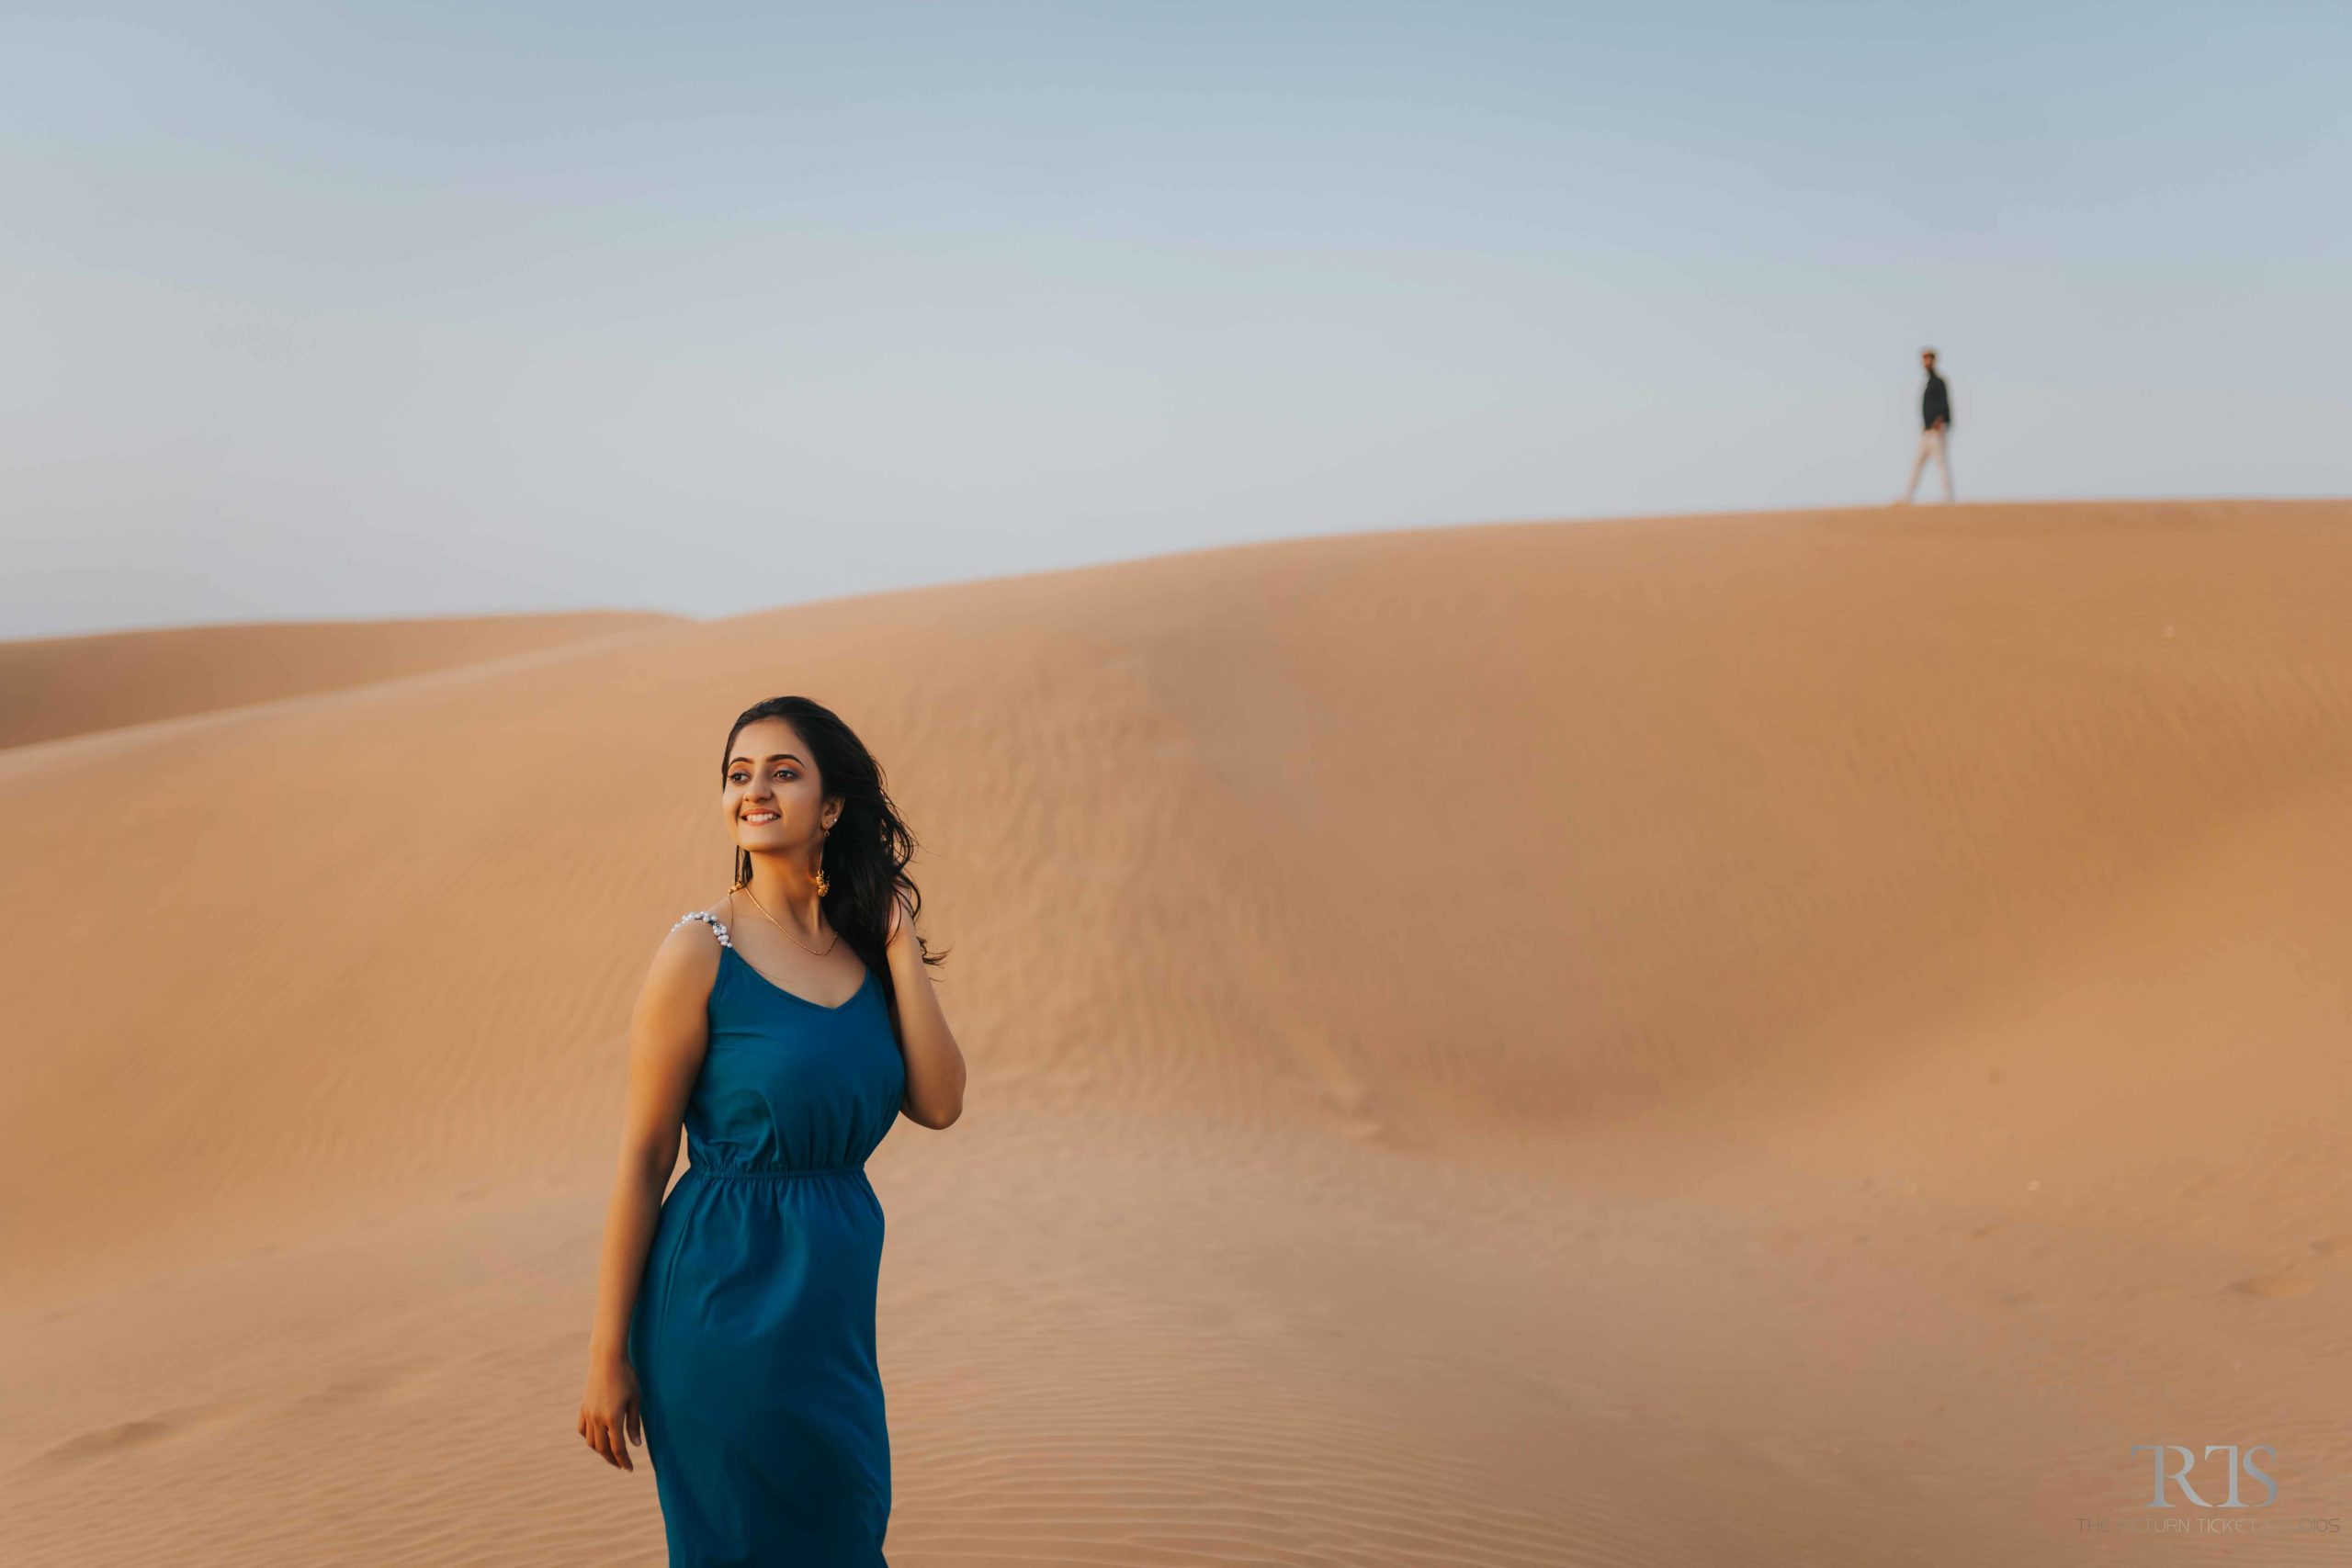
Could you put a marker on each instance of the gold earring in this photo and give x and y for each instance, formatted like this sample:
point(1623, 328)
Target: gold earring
point(823, 886)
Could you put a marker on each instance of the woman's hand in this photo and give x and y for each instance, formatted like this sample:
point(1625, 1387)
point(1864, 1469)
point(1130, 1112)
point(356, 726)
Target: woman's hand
point(611, 1401)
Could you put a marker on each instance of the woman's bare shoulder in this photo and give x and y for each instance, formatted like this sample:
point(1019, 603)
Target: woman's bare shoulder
point(693, 939)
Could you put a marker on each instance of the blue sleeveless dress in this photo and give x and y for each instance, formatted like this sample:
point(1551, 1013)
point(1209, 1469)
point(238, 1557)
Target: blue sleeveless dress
point(753, 1336)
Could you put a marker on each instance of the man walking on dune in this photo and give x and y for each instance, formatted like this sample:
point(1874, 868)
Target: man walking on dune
point(1935, 413)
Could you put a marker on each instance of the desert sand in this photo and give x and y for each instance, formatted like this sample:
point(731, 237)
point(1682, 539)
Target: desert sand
point(1794, 1038)
point(57, 686)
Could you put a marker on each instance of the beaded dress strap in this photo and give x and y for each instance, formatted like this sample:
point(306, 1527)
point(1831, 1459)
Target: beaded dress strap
point(716, 924)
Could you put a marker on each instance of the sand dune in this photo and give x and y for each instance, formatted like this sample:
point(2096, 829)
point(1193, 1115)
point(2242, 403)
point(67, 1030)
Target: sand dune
point(76, 685)
point(1787, 1038)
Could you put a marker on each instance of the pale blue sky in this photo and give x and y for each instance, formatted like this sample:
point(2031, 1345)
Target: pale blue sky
point(420, 308)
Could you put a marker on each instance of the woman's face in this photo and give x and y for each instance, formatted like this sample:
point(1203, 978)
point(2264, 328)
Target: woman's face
point(772, 798)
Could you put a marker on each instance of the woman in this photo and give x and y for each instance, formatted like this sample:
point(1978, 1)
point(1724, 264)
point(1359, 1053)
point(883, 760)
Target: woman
point(734, 1331)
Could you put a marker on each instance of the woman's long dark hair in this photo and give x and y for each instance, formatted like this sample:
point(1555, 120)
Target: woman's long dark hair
point(867, 852)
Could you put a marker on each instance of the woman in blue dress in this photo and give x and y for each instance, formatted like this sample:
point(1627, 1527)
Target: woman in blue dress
point(783, 1030)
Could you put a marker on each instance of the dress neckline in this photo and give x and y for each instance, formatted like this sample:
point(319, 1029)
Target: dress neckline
point(866, 980)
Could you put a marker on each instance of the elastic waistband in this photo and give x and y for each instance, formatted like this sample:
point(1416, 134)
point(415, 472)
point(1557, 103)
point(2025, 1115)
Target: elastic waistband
point(748, 1173)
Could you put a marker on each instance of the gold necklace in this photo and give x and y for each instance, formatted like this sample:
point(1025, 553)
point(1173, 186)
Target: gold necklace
point(788, 930)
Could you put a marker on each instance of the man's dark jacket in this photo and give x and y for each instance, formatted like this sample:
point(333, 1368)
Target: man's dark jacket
point(1935, 405)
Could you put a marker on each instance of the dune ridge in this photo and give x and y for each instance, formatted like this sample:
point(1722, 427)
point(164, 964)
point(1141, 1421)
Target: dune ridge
point(60, 686)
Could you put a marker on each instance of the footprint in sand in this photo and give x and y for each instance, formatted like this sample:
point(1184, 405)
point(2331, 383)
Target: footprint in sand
point(380, 1385)
point(104, 1442)
point(2293, 1280)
